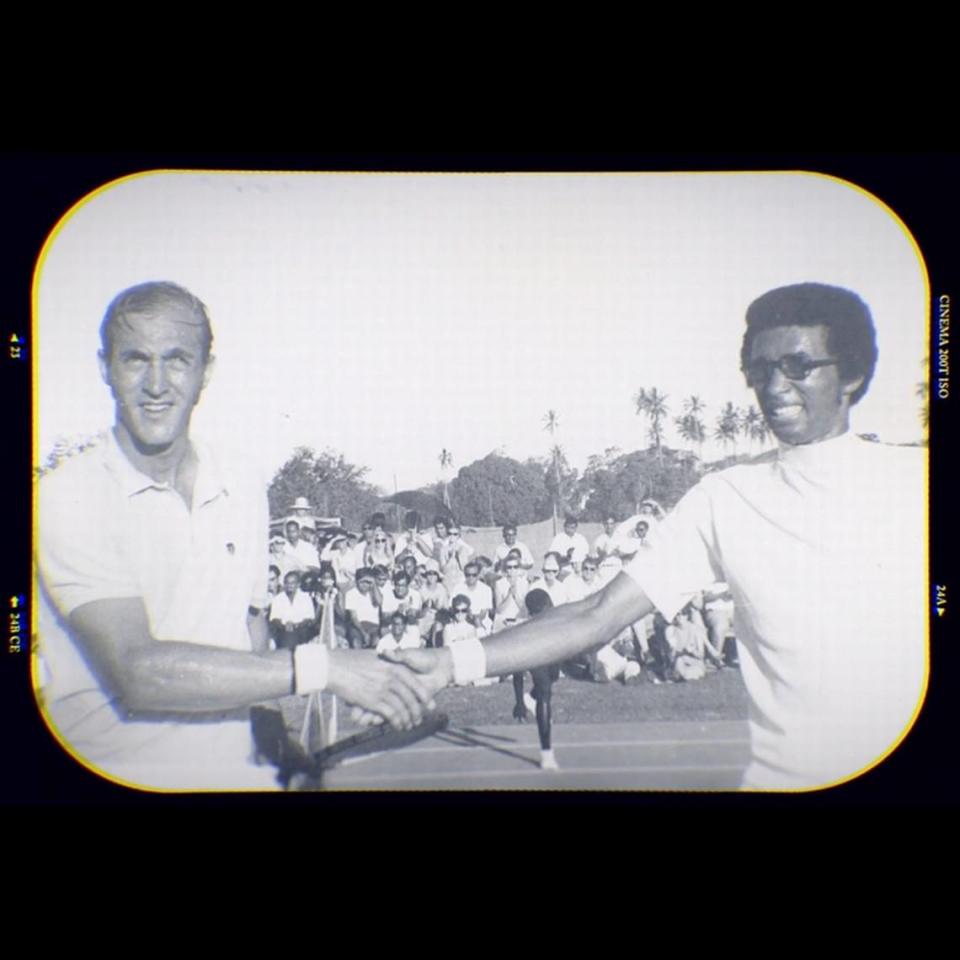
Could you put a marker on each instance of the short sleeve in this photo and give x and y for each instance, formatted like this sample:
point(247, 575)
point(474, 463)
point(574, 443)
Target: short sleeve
point(80, 549)
point(679, 558)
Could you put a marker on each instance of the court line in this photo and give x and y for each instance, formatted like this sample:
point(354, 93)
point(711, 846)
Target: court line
point(548, 777)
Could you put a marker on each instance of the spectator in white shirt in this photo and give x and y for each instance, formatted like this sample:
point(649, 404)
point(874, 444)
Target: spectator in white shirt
point(570, 543)
point(292, 617)
point(403, 635)
point(362, 612)
point(510, 542)
point(479, 594)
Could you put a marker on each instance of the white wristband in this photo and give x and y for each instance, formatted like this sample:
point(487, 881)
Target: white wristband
point(311, 667)
point(469, 661)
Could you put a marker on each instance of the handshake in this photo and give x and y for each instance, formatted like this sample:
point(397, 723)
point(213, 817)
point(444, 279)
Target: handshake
point(397, 687)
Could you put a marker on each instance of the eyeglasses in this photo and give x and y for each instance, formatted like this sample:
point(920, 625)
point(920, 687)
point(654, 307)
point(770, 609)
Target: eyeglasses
point(794, 366)
point(551, 570)
point(379, 540)
point(513, 566)
point(461, 610)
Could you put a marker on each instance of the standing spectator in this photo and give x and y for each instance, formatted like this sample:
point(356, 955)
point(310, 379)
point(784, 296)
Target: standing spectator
point(510, 542)
point(273, 580)
point(570, 543)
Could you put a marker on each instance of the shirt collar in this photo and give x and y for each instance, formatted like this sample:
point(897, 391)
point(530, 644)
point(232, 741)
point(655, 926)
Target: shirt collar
point(825, 461)
point(208, 485)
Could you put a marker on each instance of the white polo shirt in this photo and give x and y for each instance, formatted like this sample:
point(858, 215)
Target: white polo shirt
point(824, 549)
point(562, 543)
point(107, 531)
point(285, 610)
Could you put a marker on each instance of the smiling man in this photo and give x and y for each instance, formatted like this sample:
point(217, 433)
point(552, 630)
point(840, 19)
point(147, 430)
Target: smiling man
point(822, 543)
point(153, 582)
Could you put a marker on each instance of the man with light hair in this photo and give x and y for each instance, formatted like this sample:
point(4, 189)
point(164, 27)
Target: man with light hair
point(153, 583)
point(830, 596)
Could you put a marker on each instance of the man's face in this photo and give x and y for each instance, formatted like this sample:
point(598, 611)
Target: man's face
point(397, 628)
point(293, 533)
point(382, 579)
point(365, 585)
point(550, 570)
point(156, 372)
point(608, 526)
point(470, 575)
point(441, 530)
point(327, 583)
point(400, 586)
point(290, 584)
point(273, 582)
point(509, 537)
point(569, 529)
point(589, 572)
point(802, 411)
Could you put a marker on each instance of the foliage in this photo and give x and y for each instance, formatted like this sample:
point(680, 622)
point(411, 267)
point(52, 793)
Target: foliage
point(498, 489)
point(617, 487)
point(332, 485)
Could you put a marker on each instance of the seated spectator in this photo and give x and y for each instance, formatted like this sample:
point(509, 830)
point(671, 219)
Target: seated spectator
point(338, 554)
point(278, 557)
point(570, 543)
point(551, 581)
point(718, 618)
point(608, 551)
point(463, 626)
point(488, 572)
point(510, 542)
point(690, 645)
point(273, 580)
point(407, 562)
point(403, 635)
point(362, 612)
point(379, 553)
point(508, 594)
point(479, 595)
point(326, 592)
point(452, 555)
point(291, 619)
point(400, 597)
point(297, 550)
point(411, 539)
point(634, 540)
point(435, 598)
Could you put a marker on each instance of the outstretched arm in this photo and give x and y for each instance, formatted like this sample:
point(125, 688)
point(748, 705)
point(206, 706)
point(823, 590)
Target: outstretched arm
point(147, 674)
point(558, 634)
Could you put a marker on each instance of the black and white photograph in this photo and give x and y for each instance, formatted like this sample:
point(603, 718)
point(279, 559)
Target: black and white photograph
point(536, 481)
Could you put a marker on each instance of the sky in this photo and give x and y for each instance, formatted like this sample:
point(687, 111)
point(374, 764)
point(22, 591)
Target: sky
point(391, 316)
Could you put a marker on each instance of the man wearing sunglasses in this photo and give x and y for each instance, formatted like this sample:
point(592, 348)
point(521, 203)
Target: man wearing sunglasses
point(822, 543)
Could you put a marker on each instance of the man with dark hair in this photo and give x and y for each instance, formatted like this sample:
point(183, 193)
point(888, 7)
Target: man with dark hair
point(510, 542)
point(153, 582)
point(571, 544)
point(829, 593)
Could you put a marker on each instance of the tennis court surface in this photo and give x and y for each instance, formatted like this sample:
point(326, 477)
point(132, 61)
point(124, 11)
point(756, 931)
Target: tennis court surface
point(664, 755)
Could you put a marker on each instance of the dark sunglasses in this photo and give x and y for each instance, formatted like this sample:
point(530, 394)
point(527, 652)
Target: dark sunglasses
point(793, 366)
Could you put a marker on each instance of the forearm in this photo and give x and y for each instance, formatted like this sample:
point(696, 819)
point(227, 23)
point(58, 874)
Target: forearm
point(259, 632)
point(192, 678)
point(562, 632)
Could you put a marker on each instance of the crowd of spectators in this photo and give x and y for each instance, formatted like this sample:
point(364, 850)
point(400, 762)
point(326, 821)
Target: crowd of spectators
point(428, 588)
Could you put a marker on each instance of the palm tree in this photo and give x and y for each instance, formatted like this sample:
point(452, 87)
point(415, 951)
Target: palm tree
point(551, 423)
point(654, 405)
point(753, 426)
point(728, 426)
point(446, 462)
point(690, 425)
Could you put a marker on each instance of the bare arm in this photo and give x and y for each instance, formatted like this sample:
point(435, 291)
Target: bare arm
point(557, 634)
point(147, 674)
point(259, 631)
point(562, 632)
